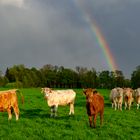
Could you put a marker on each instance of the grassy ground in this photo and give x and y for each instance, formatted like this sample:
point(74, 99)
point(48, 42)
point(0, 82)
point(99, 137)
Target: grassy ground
point(35, 122)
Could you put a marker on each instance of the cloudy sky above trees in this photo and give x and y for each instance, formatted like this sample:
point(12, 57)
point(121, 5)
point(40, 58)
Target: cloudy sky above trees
point(39, 32)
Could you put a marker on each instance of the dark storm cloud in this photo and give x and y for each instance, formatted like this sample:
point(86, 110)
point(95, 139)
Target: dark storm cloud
point(120, 24)
point(38, 32)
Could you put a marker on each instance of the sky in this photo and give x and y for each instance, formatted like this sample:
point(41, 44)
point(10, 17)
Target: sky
point(57, 32)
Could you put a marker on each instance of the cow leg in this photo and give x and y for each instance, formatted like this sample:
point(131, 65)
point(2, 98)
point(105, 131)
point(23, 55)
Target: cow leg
point(90, 120)
point(55, 111)
point(125, 105)
point(115, 104)
point(71, 109)
point(137, 106)
point(129, 106)
point(52, 111)
point(94, 122)
point(138, 102)
point(16, 110)
point(9, 114)
point(112, 105)
point(120, 106)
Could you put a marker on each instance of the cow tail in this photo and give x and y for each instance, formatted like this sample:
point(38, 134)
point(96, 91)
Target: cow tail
point(22, 97)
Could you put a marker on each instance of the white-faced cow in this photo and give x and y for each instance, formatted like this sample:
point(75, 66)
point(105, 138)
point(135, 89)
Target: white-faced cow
point(116, 97)
point(59, 97)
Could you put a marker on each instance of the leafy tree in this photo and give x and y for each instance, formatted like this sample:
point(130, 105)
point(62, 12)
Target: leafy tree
point(60, 77)
point(104, 79)
point(3, 81)
point(135, 78)
point(119, 79)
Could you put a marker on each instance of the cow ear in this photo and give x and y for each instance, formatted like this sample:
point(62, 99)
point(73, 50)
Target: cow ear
point(94, 91)
point(84, 91)
point(42, 90)
point(50, 90)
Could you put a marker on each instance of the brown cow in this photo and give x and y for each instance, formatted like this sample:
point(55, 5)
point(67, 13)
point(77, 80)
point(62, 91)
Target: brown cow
point(8, 101)
point(94, 105)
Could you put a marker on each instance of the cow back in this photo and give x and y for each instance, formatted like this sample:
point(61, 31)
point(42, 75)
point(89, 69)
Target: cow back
point(61, 97)
point(7, 99)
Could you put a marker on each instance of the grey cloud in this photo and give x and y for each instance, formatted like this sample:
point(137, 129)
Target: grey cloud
point(56, 32)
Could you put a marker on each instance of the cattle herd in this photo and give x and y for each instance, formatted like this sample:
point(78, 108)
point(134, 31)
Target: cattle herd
point(128, 95)
point(55, 98)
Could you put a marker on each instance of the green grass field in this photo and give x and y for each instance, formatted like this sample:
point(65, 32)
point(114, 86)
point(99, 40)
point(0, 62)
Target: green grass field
point(35, 122)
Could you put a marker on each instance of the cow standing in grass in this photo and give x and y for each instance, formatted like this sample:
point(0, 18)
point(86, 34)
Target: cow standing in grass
point(94, 105)
point(59, 97)
point(137, 97)
point(128, 97)
point(116, 97)
point(9, 101)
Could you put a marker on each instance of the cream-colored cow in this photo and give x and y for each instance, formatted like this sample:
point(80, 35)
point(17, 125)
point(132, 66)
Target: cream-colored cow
point(137, 97)
point(116, 97)
point(128, 97)
point(59, 97)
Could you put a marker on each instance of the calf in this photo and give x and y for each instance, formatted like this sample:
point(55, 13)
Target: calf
point(94, 105)
point(59, 97)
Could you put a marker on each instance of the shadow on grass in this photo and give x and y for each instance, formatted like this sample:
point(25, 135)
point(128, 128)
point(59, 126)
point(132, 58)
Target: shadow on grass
point(108, 105)
point(39, 113)
point(64, 117)
point(34, 113)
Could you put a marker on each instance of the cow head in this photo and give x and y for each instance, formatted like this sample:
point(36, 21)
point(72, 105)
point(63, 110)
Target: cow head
point(128, 94)
point(46, 91)
point(136, 93)
point(120, 92)
point(89, 92)
point(43, 90)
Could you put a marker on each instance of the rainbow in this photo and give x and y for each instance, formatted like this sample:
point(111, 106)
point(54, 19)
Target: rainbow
point(102, 43)
point(104, 47)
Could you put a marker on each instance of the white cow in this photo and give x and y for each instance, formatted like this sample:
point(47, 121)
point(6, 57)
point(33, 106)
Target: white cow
point(116, 97)
point(59, 97)
point(137, 97)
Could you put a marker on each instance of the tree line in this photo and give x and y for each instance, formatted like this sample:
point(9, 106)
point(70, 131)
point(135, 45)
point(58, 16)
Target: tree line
point(20, 76)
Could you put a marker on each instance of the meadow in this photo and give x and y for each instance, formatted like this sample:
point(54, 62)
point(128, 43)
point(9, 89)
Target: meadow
point(35, 122)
